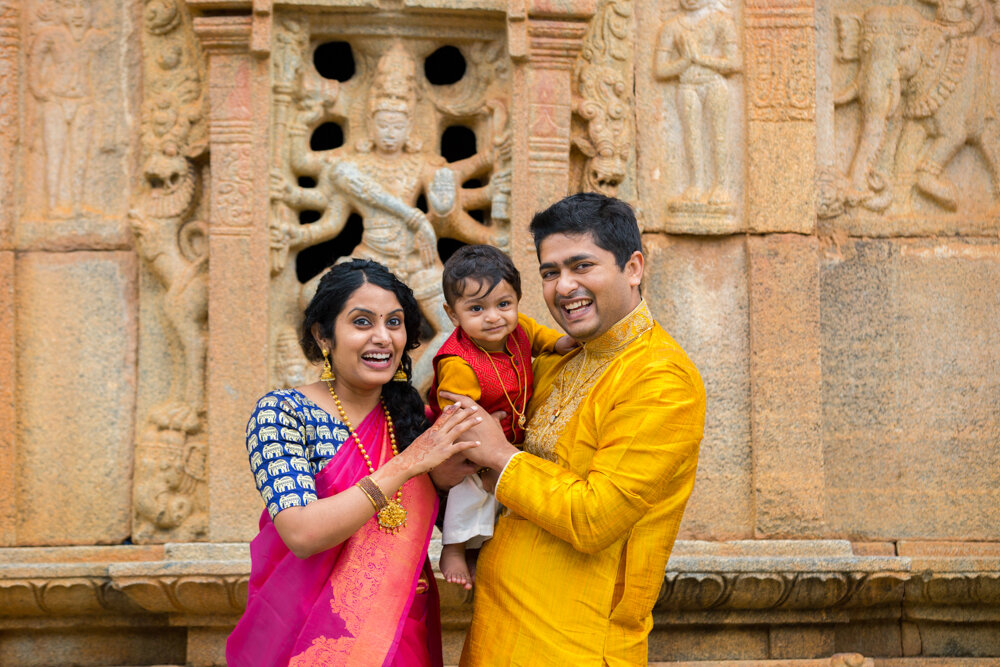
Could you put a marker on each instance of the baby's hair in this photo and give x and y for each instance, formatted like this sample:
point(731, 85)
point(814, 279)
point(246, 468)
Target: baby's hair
point(480, 264)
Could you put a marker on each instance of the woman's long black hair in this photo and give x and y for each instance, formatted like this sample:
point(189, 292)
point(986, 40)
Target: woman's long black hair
point(335, 288)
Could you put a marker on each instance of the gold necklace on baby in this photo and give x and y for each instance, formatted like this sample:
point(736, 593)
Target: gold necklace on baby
point(517, 417)
point(392, 515)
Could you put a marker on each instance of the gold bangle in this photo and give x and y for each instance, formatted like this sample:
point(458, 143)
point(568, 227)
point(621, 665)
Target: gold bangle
point(374, 493)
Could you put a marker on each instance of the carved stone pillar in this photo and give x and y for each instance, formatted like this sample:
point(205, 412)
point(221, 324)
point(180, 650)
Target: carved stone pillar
point(786, 385)
point(545, 38)
point(238, 266)
point(785, 373)
point(9, 75)
point(781, 115)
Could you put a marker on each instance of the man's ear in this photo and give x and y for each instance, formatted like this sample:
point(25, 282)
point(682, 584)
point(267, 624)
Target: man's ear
point(450, 312)
point(634, 267)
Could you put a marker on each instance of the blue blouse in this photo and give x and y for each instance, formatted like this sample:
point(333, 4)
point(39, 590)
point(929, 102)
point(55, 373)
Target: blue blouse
point(289, 440)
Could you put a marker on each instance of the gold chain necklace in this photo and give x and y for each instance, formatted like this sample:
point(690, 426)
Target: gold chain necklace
point(392, 517)
point(564, 396)
point(522, 393)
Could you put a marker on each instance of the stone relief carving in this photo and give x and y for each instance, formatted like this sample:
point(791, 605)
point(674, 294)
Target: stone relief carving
point(171, 449)
point(925, 89)
point(63, 48)
point(697, 50)
point(383, 176)
point(604, 84)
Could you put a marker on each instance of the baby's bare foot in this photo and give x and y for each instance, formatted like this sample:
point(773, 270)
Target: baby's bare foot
point(454, 567)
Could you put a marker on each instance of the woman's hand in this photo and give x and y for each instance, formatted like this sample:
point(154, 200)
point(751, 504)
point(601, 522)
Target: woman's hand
point(440, 442)
point(493, 450)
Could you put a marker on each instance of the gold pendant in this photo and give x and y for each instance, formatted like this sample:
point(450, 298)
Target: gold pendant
point(521, 421)
point(392, 517)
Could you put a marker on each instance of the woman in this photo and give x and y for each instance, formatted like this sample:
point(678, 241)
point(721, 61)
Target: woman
point(339, 572)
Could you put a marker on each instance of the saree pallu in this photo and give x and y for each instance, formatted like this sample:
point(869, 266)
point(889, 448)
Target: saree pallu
point(354, 604)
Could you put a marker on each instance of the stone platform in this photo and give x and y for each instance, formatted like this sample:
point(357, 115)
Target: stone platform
point(781, 603)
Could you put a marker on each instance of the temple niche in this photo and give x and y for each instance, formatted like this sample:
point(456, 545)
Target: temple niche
point(395, 149)
point(916, 123)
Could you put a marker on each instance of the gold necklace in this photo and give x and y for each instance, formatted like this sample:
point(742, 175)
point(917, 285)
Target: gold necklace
point(392, 517)
point(522, 393)
point(564, 396)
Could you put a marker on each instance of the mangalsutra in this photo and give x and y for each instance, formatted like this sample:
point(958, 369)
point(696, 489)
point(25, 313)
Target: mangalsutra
point(391, 513)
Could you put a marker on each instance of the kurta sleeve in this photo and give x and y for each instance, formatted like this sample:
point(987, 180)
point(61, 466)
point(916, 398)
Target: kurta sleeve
point(647, 440)
point(454, 374)
point(543, 339)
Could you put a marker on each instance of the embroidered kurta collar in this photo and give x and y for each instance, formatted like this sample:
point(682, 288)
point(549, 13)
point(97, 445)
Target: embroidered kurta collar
point(578, 377)
point(622, 333)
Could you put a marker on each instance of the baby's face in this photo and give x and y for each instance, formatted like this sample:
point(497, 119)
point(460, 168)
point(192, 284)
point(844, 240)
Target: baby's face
point(487, 318)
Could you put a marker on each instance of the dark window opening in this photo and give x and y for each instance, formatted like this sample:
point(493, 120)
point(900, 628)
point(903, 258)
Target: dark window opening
point(445, 66)
point(313, 260)
point(307, 182)
point(447, 248)
point(457, 143)
point(334, 60)
point(326, 137)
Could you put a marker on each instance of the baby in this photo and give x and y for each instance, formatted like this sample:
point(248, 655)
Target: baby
point(487, 358)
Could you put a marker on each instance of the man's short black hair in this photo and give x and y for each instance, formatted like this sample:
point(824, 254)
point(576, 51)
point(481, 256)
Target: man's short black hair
point(610, 221)
point(481, 264)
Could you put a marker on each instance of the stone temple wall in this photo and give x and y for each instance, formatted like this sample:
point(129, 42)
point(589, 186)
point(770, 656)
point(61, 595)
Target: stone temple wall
point(819, 191)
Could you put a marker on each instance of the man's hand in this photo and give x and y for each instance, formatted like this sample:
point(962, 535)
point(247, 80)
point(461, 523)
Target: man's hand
point(493, 451)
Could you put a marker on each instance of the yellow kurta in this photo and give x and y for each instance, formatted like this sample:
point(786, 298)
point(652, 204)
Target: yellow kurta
point(594, 503)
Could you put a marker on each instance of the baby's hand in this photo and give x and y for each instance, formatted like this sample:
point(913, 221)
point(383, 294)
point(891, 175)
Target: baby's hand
point(566, 344)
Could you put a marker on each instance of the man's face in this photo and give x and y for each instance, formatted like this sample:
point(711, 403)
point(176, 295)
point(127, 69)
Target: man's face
point(584, 289)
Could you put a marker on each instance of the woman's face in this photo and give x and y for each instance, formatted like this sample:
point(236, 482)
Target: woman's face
point(369, 339)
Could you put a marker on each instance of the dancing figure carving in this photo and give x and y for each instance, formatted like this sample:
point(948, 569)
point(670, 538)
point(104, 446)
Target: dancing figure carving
point(381, 179)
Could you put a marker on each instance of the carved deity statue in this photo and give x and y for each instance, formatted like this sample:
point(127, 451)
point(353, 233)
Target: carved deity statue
point(59, 58)
point(381, 179)
point(699, 48)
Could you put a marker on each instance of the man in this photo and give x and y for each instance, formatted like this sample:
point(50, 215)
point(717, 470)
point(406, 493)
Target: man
point(595, 500)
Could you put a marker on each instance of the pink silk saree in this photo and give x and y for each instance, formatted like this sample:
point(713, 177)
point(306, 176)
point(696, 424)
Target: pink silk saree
point(354, 604)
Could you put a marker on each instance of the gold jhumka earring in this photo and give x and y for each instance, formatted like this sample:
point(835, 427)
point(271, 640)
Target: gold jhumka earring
point(400, 375)
point(327, 375)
